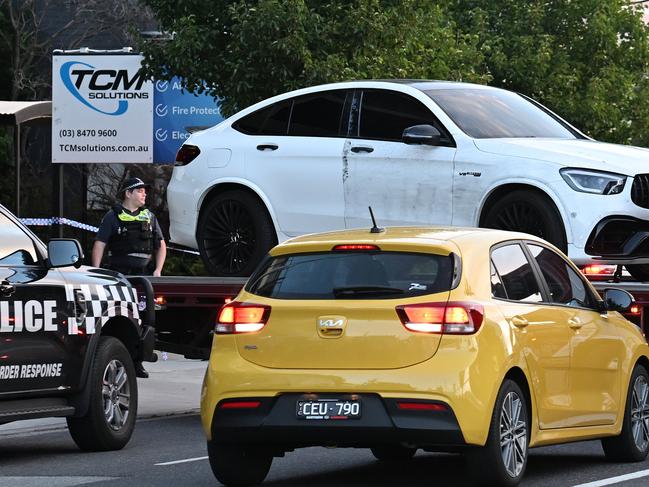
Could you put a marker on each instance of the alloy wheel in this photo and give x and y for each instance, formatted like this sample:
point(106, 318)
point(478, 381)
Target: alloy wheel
point(513, 434)
point(229, 236)
point(520, 216)
point(640, 413)
point(116, 394)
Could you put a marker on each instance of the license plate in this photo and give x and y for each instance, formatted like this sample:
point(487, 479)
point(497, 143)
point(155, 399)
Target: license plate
point(332, 409)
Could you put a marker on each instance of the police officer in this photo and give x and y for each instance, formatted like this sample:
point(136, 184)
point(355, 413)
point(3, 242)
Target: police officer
point(132, 234)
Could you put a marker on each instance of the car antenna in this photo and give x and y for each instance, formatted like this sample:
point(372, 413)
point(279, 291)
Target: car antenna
point(374, 228)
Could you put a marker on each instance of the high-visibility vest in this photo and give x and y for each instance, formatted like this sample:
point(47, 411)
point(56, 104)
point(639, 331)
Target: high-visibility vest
point(134, 233)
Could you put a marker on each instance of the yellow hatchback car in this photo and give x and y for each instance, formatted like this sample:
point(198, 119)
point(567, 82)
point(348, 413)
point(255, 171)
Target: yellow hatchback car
point(443, 339)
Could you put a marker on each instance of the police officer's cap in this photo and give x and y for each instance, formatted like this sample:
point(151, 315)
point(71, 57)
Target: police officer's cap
point(133, 183)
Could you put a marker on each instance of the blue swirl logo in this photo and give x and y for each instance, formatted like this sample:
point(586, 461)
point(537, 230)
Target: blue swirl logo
point(65, 72)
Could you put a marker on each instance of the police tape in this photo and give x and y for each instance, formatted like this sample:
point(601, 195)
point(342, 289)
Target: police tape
point(57, 220)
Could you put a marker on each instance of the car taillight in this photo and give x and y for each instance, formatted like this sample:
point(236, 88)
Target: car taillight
point(454, 318)
point(352, 247)
point(186, 154)
point(236, 317)
point(598, 270)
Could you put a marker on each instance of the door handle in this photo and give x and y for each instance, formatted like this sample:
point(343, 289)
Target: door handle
point(519, 322)
point(7, 288)
point(264, 147)
point(575, 323)
point(362, 148)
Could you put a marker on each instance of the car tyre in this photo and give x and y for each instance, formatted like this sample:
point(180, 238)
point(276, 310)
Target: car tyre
point(393, 453)
point(234, 233)
point(632, 444)
point(238, 465)
point(503, 458)
point(528, 212)
point(640, 272)
point(110, 420)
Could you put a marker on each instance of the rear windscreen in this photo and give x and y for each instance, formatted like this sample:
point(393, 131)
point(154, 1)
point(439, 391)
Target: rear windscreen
point(352, 275)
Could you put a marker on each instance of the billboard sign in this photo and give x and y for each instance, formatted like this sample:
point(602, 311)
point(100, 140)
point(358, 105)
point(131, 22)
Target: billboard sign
point(102, 109)
point(176, 114)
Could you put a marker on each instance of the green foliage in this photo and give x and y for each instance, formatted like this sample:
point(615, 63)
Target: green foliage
point(250, 50)
point(585, 59)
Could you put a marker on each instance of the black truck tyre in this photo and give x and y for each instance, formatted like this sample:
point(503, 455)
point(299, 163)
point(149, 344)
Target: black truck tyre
point(632, 444)
point(238, 465)
point(110, 419)
point(503, 459)
point(530, 212)
point(234, 233)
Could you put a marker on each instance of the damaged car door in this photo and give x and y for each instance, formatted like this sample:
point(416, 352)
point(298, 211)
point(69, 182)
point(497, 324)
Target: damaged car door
point(399, 161)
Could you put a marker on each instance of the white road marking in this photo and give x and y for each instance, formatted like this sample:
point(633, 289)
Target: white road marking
point(186, 460)
point(616, 480)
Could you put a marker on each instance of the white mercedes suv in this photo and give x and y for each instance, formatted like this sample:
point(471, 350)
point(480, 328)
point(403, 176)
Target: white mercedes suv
point(417, 152)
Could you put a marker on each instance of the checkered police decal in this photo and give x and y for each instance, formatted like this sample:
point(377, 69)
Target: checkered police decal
point(102, 303)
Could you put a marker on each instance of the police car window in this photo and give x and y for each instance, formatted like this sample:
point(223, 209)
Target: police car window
point(16, 248)
point(516, 273)
point(565, 286)
point(386, 114)
point(352, 275)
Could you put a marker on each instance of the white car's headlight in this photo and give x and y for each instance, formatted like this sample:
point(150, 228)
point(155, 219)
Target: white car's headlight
point(596, 182)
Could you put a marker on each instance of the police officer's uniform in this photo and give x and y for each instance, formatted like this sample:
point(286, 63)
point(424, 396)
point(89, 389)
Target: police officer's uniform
point(132, 237)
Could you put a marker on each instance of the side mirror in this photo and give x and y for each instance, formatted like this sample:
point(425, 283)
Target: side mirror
point(63, 252)
point(421, 135)
point(617, 299)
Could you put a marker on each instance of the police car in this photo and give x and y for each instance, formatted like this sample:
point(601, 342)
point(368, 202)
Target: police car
point(70, 337)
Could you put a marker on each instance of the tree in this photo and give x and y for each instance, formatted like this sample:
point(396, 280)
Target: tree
point(245, 51)
point(585, 59)
point(30, 29)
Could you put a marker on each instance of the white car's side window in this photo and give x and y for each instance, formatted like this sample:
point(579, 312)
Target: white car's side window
point(271, 120)
point(386, 114)
point(318, 115)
